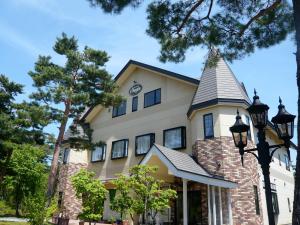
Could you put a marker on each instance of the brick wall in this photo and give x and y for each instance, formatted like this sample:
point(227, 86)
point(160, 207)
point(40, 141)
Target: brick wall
point(220, 157)
point(70, 202)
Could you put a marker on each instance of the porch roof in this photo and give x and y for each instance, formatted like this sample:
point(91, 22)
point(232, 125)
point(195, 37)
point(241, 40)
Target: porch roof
point(182, 165)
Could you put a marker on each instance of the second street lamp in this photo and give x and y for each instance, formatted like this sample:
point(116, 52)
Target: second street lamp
point(240, 134)
point(284, 125)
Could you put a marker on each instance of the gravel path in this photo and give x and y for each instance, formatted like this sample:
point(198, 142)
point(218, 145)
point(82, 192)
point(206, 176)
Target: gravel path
point(13, 219)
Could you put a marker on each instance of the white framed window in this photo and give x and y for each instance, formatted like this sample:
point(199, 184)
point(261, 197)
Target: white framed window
point(175, 138)
point(66, 155)
point(119, 149)
point(143, 143)
point(98, 154)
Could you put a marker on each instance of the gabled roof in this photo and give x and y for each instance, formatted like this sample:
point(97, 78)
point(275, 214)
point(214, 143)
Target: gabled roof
point(158, 70)
point(135, 64)
point(218, 84)
point(182, 165)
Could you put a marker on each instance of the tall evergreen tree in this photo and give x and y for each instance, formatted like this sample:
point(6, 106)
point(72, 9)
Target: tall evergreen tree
point(237, 28)
point(20, 123)
point(67, 90)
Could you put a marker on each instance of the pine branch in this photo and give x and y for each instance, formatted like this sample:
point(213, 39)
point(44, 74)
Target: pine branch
point(189, 14)
point(258, 15)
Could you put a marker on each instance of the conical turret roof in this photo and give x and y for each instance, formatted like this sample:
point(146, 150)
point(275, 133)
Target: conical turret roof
point(218, 84)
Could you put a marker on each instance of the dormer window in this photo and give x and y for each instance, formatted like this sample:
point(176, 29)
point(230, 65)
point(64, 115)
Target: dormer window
point(120, 109)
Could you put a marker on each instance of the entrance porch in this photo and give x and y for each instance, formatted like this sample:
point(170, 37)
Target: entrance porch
point(202, 198)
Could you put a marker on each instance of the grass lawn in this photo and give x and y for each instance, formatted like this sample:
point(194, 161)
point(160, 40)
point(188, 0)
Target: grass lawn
point(13, 223)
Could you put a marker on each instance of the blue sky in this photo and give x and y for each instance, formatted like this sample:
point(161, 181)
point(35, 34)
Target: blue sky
point(28, 28)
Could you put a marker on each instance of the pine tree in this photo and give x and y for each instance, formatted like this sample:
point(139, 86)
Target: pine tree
point(67, 90)
point(20, 123)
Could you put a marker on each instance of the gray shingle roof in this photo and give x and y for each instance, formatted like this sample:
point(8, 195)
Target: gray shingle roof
point(182, 161)
point(219, 82)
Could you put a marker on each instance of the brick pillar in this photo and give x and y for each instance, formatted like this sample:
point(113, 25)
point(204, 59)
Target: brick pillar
point(220, 157)
point(70, 202)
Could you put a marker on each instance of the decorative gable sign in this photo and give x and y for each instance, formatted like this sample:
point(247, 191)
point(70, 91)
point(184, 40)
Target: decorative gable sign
point(135, 89)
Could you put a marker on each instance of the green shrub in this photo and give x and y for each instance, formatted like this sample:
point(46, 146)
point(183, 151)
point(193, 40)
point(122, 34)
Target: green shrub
point(35, 209)
point(93, 194)
point(5, 209)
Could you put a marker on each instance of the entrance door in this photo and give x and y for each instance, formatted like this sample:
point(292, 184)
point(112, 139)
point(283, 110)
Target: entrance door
point(194, 208)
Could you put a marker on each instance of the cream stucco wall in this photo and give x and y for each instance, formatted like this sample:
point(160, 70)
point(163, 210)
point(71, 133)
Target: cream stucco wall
point(223, 116)
point(175, 101)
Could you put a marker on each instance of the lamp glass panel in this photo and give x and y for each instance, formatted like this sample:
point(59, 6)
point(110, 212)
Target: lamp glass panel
point(254, 118)
point(236, 138)
point(244, 138)
point(283, 129)
point(291, 129)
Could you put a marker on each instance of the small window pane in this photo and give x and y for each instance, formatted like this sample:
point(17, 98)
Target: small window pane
point(275, 203)
point(134, 103)
point(248, 123)
point(119, 110)
point(287, 162)
point(279, 159)
point(157, 96)
point(152, 98)
point(119, 149)
point(144, 143)
point(98, 154)
point(208, 126)
point(174, 138)
point(66, 155)
point(256, 200)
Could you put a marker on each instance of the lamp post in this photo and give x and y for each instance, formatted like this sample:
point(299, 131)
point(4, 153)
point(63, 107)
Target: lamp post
point(284, 126)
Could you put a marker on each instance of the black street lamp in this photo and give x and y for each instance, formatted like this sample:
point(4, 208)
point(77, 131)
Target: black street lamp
point(284, 126)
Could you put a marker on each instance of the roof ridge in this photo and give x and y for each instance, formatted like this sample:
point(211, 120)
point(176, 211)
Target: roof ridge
point(157, 69)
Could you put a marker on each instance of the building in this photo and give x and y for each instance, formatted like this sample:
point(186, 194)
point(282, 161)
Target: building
point(181, 125)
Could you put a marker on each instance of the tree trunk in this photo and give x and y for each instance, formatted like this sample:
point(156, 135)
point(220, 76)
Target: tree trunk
point(54, 164)
point(18, 200)
point(296, 205)
point(4, 166)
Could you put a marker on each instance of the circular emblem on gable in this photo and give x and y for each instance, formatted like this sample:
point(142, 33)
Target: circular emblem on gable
point(135, 89)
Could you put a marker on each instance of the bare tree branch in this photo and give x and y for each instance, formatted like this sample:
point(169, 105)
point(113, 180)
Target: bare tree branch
point(189, 14)
point(209, 10)
point(258, 15)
